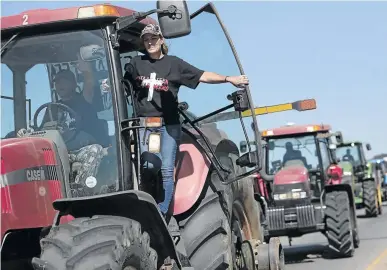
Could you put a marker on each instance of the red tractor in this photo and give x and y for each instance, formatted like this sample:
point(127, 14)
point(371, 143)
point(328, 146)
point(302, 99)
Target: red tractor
point(109, 221)
point(302, 189)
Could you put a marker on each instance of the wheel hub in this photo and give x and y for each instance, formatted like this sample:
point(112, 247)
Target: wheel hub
point(271, 256)
point(242, 251)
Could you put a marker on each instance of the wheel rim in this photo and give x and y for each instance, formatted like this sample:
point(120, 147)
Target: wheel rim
point(237, 235)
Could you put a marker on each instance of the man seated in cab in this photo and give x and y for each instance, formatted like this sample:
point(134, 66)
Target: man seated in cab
point(90, 139)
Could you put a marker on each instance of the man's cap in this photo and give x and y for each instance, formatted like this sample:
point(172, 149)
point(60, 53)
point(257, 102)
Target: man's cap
point(65, 74)
point(153, 29)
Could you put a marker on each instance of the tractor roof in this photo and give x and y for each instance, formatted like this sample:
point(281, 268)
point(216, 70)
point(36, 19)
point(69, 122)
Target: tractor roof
point(47, 16)
point(349, 143)
point(293, 130)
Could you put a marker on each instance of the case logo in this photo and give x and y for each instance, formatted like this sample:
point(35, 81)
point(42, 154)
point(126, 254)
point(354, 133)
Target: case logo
point(35, 174)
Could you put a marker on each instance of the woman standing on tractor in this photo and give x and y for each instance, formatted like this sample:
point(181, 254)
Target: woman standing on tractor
point(156, 78)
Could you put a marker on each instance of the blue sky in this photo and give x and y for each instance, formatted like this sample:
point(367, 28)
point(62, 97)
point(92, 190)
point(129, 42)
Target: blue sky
point(335, 52)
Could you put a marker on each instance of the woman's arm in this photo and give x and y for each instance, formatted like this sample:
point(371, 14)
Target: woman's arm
point(191, 76)
point(214, 78)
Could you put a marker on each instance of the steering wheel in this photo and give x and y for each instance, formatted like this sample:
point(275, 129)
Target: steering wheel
point(49, 105)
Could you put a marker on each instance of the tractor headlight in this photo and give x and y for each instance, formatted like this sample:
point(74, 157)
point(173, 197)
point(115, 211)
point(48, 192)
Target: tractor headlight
point(294, 194)
point(298, 194)
point(281, 196)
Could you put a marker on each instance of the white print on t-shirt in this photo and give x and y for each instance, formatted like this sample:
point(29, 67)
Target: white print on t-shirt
point(153, 83)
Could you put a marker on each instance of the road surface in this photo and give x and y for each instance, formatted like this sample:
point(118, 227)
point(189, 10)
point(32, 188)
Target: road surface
point(371, 254)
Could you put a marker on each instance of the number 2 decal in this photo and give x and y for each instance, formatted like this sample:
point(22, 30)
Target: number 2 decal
point(25, 19)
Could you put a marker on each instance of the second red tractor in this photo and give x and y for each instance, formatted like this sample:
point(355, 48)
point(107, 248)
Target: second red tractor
point(301, 187)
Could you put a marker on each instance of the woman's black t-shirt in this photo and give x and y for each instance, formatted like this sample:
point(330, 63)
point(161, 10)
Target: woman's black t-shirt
point(164, 76)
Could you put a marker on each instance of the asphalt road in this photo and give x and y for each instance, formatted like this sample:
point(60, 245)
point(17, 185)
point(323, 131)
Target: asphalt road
point(307, 251)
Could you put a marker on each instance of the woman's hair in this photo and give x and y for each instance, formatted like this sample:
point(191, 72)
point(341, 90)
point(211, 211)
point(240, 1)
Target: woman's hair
point(164, 48)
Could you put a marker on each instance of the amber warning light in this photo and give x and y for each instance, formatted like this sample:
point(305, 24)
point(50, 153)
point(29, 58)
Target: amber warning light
point(97, 10)
point(304, 105)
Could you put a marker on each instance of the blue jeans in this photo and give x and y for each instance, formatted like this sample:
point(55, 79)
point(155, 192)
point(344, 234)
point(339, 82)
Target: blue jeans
point(165, 160)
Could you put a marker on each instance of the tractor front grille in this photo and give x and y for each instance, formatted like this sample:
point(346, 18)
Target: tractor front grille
point(298, 217)
point(276, 218)
point(305, 216)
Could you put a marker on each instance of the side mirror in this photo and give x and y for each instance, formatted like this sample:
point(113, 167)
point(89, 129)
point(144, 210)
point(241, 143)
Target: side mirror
point(243, 146)
point(177, 22)
point(368, 146)
point(339, 137)
point(249, 160)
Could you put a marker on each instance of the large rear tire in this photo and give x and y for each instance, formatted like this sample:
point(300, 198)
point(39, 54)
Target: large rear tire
point(207, 235)
point(100, 242)
point(207, 232)
point(370, 199)
point(339, 226)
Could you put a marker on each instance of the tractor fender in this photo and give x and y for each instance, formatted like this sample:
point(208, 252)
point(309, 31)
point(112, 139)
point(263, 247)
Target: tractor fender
point(368, 179)
point(246, 209)
point(245, 205)
point(227, 146)
point(342, 187)
point(11, 249)
point(133, 204)
point(351, 196)
point(192, 171)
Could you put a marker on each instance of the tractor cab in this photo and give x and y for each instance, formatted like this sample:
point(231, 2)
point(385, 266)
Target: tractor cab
point(377, 168)
point(353, 152)
point(45, 76)
point(299, 159)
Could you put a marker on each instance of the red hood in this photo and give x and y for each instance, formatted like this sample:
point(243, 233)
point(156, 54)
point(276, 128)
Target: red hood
point(291, 175)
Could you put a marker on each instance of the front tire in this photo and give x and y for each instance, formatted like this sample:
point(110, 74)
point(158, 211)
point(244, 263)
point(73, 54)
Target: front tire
point(100, 242)
point(369, 199)
point(339, 226)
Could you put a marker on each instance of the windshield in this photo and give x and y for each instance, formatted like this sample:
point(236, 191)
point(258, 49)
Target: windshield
point(51, 69)
point(349, 153)
point(290, 151)
point(208, 49)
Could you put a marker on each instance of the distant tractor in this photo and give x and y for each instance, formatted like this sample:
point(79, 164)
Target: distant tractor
point(304, 187)
point(378, 169)
point(367, 186)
